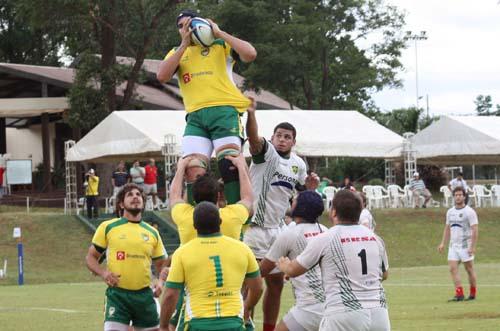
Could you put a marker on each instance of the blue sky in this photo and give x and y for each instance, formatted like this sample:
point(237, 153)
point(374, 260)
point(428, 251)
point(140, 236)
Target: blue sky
point(459, 60)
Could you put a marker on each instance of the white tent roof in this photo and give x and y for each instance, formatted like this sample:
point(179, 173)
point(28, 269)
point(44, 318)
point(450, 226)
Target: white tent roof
point(319, 133)
point(459, 140)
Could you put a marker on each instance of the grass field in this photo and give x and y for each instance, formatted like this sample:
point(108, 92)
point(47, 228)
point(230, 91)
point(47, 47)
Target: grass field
point(60, 294)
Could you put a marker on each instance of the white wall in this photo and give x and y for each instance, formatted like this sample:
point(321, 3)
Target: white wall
point(27, 143)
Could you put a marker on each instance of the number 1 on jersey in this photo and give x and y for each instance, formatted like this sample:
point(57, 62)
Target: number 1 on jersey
point(364, 267)
point(218, 270)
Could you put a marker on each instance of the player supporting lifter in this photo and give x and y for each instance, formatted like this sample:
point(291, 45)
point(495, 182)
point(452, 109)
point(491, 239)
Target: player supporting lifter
point(131, 245)
point(353, 263)
point(308, 290)
point(276, 172)
point(212, 268)
point(461, 230)
point(212, 100)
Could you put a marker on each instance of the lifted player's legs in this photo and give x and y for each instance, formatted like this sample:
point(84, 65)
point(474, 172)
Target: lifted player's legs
point(201, 148)
point(229, 173)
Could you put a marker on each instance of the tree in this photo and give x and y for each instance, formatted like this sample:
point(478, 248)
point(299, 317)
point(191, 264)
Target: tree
point(484, 106)
point(310, 52)
point(22, 43)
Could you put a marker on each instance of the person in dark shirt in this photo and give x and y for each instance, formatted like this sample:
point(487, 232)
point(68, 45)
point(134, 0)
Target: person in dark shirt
point(347, 184)
point(119, 178)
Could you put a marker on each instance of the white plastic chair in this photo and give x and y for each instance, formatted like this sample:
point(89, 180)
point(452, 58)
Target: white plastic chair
point(81, 204)
point(370, 197)
point(482, 195)
point(149, 203)
point(380, 196)
point(329, 192)
point(396, 195)
point(409, 197)
point(495, 190)
point(472, 197)
point(447, 195)
point(110, 205)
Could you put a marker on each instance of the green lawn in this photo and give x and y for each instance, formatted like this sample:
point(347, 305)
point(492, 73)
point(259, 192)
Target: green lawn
point(60, 294)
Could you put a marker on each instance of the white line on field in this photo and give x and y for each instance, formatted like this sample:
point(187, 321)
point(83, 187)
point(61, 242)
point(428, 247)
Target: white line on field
point(433, 285)
point(59, 310)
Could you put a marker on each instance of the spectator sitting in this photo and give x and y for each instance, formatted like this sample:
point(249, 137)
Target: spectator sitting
point(417, 186)
point(119, 178)
point(347, 184)
point(137, 174)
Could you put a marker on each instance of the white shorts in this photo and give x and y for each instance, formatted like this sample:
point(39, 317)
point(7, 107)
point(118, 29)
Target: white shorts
point(374, 319)
point(150, 189)
point(260, 239)
point(304, 318)
point(459, 254)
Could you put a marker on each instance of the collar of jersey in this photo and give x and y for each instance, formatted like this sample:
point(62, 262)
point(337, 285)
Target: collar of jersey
point(217, 234)
point(123, 218)
point(347, 224)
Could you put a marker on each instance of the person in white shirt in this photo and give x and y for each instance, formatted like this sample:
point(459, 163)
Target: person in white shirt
point(353, 263)
point(276, 173)
point(459, 181)
point(461, 230)
point(366, 218)
point(308, 290)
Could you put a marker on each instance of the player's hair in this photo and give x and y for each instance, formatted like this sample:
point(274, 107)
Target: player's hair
point(459, 188)
point(205, 189)
point(347, 205)
point(120, 197)
point(206, 218)
point(286, 126)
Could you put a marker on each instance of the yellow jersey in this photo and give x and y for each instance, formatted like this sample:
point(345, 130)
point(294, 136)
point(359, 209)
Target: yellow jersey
point(130, 248)
point(212, 269)
point(206, 78)
point(93, 186)
point(232, 216)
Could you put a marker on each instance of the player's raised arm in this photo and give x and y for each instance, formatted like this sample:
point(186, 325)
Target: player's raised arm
point(178, 181)
point(169, 66)
point(256, 142)
point(246, 192)
point(244, 49)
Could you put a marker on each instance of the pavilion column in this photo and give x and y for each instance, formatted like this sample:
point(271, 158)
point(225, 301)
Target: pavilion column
point(3, 136)
point(46, 152)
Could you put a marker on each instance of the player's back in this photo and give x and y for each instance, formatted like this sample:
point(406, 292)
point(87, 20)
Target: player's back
point(352, 266)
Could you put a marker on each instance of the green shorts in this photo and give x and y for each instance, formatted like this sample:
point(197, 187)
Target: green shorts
point(139, 306)
point(214, 123)
point(177, 318)
point(216, 324)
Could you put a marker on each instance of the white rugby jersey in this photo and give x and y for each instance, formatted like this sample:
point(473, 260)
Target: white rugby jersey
point(454, 183)
point(307, 288)
point(460, 222)
point(352, 260)
point(366, 218)
point(273, 180)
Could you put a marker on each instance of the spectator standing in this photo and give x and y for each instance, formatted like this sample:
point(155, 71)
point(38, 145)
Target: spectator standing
point(119, 178)
point(347, 184)
point(417, 186)
point(459, 181)
point(150, 181)
point(92, 193)
point(137, 174)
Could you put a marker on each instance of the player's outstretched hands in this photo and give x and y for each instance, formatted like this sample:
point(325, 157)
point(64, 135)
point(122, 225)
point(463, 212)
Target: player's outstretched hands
point(186, 33)
point(110, 278)
point(253, 104)
point(157, 289)
point(441, 248)
point(215, 28)
point(283, 263)
point(183, 163)
point(312, 181)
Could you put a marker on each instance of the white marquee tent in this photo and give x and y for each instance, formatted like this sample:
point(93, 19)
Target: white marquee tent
point(459, 140)
point(126, 134)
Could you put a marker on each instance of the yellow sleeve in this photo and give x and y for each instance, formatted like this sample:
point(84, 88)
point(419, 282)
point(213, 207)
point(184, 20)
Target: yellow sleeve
point(159, 250)
point(253, 267)
point(99, 238)
point(178, 212)
point(169, 54)
point(241, 212)
point(175, 277)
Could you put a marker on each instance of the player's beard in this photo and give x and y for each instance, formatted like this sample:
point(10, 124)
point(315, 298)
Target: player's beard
point(134, 211)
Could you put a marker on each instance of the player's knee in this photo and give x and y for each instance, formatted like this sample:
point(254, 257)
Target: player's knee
point(228, 172)
point(274, 283)
point(197, 167)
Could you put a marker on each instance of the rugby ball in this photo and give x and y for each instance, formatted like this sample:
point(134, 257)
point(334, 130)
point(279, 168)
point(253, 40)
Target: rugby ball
point(202, 32)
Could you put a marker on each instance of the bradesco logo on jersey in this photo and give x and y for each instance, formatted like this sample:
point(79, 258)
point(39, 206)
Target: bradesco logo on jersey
point(120, 255)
